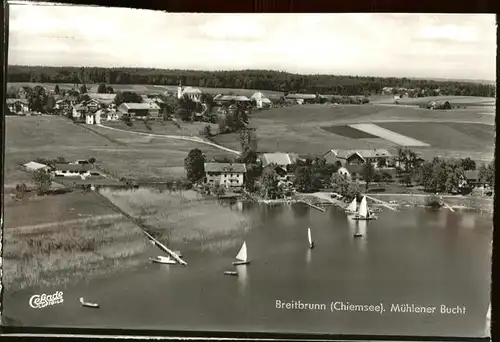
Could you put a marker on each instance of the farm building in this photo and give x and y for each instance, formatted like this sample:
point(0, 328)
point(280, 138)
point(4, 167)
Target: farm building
point(34, 166)
point(18, 106)
point(139, 110)
point(439, 104)
point(92, 105)
point(280, 159)
point(344, 172)
point(346, 157)
point(194, 94)
point(225, 174)
point(75, 170)
point(302, 98)
point(261, 100)
point(227, 98)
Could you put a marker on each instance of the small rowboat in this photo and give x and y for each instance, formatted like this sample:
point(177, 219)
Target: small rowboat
point(88, 305)
point(231, 273)
point(356, 235)
point(163, 260)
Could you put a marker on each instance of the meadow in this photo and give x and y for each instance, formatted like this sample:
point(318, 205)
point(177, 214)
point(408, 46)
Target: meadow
point(120, 153)
point(61, 239)
point(180, 218)
point(454, 100)
point(151, 88)
point(315, 129)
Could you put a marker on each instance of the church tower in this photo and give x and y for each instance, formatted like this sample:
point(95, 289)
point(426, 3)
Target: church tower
point(179, 90)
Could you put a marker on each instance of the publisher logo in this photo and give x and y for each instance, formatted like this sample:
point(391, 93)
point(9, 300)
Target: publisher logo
point(44, 300)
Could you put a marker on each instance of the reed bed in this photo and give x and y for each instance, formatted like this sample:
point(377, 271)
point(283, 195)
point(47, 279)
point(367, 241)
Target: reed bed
point(71, 253)
point(182, 217)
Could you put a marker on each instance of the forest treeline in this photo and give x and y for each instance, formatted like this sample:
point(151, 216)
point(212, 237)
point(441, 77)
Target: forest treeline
point(242, 79)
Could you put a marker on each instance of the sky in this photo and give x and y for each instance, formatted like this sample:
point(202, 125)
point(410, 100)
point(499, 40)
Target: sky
point(452, 46)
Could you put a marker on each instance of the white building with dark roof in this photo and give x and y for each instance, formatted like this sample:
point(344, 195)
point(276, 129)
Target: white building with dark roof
point(225, 174)
point(261, 100)
point(194, 94)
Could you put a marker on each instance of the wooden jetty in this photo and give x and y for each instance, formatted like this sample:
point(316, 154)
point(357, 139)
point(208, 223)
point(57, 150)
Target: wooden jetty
point(164, 248)
point(383, 203)
point(312, 205)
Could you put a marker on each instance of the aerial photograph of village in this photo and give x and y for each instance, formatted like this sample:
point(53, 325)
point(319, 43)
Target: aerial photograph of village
point(281, 173)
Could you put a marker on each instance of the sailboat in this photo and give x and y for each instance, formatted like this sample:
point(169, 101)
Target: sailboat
point(311, 242)
point(242, 256)
point(363, 212)
point(351, 209)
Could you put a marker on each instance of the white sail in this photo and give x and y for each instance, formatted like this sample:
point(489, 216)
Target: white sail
point(352, 206)
point(488, 314)
point(309, 235)
point(242, 254)
point(363, 208)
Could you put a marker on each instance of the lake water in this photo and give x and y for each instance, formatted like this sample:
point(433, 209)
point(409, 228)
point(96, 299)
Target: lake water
point(416, 256)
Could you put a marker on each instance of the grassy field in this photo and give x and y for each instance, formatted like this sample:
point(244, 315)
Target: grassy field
point(317, 128)
point(454, 100)
point(121, 153)
point(54, 240)
point(159, 127)
point(181, 218)
point(151, 88)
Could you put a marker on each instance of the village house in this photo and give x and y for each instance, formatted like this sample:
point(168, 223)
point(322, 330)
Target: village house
point(194, 94)
point(93, 118)
point(350, 157)
point(231, 175)
point(75, 170)
point(79, 111)
point(135, 110)
point(92, 105)
point(18, 106)
point(63, 104)
point(261, 100)
point(104, 100)
point(108, 114)
point(344, 172)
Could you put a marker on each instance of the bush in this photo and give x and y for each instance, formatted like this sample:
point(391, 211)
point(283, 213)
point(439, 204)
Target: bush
point(433, 201)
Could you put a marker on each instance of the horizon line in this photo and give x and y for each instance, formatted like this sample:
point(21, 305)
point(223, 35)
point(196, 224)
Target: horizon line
point(273, 70)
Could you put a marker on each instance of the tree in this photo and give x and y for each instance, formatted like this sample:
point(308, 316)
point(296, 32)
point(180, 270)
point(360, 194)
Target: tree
point(406, 180)
point(468, 164)
point(92, 160)
point(269, 184)
point(110, 90)
point(101, 89)
point(127, 97)
point(303, 179)
point(36, 98)
point(487, 174)
point(83, 89)
point(50, 103)
point(248, 139)
point(43, 181)
point(368, 173)
point(56, 89)
point(382, 162)
point(194, 164)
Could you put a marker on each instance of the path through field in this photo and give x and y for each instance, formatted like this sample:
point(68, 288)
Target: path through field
point(176, 137)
